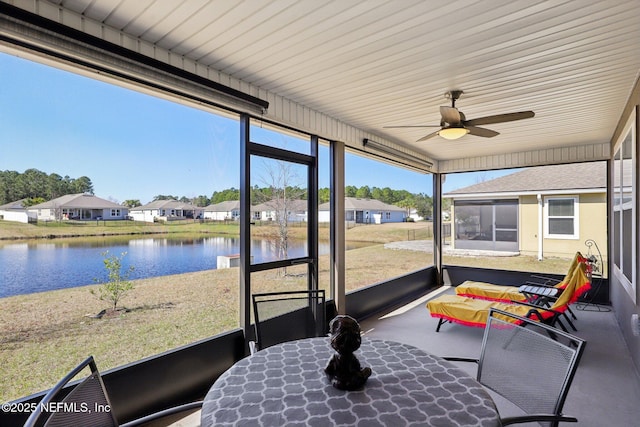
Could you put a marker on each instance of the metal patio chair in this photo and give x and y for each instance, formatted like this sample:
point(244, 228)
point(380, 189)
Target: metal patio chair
point(530, 364)
point(306, 317)
point(87, 404)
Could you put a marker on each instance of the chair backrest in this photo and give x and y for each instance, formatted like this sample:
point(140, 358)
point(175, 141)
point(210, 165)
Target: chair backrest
point(576, 286)
point(574, 263)
point(305, 316)
point(87, 404)
point(529, 363)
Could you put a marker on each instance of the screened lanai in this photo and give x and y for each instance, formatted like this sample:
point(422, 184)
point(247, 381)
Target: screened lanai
point(313, 85)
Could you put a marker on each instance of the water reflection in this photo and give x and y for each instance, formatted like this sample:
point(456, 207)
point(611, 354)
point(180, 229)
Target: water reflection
point(36, 266)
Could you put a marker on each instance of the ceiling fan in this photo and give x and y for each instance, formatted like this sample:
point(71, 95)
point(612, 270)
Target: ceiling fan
point(454, 124)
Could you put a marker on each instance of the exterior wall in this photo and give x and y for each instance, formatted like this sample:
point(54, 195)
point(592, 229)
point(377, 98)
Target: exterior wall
point(381, 217)
point(46, 214)
point(592, 220)
point(528, 225)
point(324, 216)
point(221, 216)
point(298, 217)
point(106, 213)
point(85, 214)
point(218, 216)
point(144, 215)
point(17, 216)
point(271, 216)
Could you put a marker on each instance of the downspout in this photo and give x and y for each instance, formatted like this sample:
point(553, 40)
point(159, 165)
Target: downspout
point(540, 225)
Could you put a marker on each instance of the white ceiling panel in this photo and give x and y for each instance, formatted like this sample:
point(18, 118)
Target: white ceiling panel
point(376, 63)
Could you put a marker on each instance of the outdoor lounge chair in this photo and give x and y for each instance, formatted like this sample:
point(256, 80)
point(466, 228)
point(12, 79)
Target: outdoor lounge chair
point(474, 311)
point(88, 404)
point(492, 292)
point(528, 363)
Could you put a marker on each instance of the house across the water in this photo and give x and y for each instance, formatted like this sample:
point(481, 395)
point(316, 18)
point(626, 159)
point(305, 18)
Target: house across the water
point(165, 210)
point(82, 207)
point(365, 211)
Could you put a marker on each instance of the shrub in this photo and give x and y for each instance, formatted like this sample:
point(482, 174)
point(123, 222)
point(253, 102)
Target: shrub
point(118, 283)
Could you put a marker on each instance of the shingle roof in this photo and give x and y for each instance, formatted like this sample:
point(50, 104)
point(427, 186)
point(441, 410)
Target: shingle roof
point(165, 204)
point(80, 200)
point(17, 205)
point(356, 203)
point(574, 176)
point(226, 206)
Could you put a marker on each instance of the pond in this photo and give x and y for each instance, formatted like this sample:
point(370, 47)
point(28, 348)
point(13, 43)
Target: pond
point(37, 266)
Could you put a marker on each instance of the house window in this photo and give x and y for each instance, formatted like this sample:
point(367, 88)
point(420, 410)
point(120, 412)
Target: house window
point(388, 215)
point(561, 217)
point(115, 212)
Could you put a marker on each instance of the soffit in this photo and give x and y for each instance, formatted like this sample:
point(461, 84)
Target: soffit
point(376, 63)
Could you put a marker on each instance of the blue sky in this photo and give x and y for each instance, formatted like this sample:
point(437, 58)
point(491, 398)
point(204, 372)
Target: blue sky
point(135, 146)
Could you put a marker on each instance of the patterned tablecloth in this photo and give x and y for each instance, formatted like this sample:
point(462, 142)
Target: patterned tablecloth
point(285, 385)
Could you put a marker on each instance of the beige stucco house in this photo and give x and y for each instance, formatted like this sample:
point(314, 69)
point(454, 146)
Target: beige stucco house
point(223, 211)
point(547, 211)
point(296, 210)
point(365, 211)
point(81, 206)
point(15, 211)
point(165, 210)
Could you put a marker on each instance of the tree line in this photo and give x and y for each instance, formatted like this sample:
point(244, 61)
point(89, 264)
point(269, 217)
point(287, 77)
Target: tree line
point(36, 187)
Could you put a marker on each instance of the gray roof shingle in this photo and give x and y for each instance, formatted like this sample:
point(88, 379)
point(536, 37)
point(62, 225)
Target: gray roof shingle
point(226, 206)
point(80, 200)
point(574, 176)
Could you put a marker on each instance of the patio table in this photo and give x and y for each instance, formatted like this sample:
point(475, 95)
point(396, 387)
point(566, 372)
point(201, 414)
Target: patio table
point(286, 385)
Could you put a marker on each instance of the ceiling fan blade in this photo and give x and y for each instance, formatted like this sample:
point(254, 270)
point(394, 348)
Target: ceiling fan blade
point(411, 126)
point(450, 115)
point(431, 135)
point(499, 118)
point(487, 133)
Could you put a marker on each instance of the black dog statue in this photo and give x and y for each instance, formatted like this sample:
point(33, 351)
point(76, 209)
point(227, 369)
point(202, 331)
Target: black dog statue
point(344, 369)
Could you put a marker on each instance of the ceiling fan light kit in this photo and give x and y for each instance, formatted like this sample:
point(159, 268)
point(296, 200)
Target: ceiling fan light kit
point(453, 133)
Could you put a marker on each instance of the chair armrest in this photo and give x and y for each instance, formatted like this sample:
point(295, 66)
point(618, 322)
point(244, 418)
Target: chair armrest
point(461, 359)
point(537, 307)
point(546, 285)
point(537, 417)
point(175, 410)
point(547, 279)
